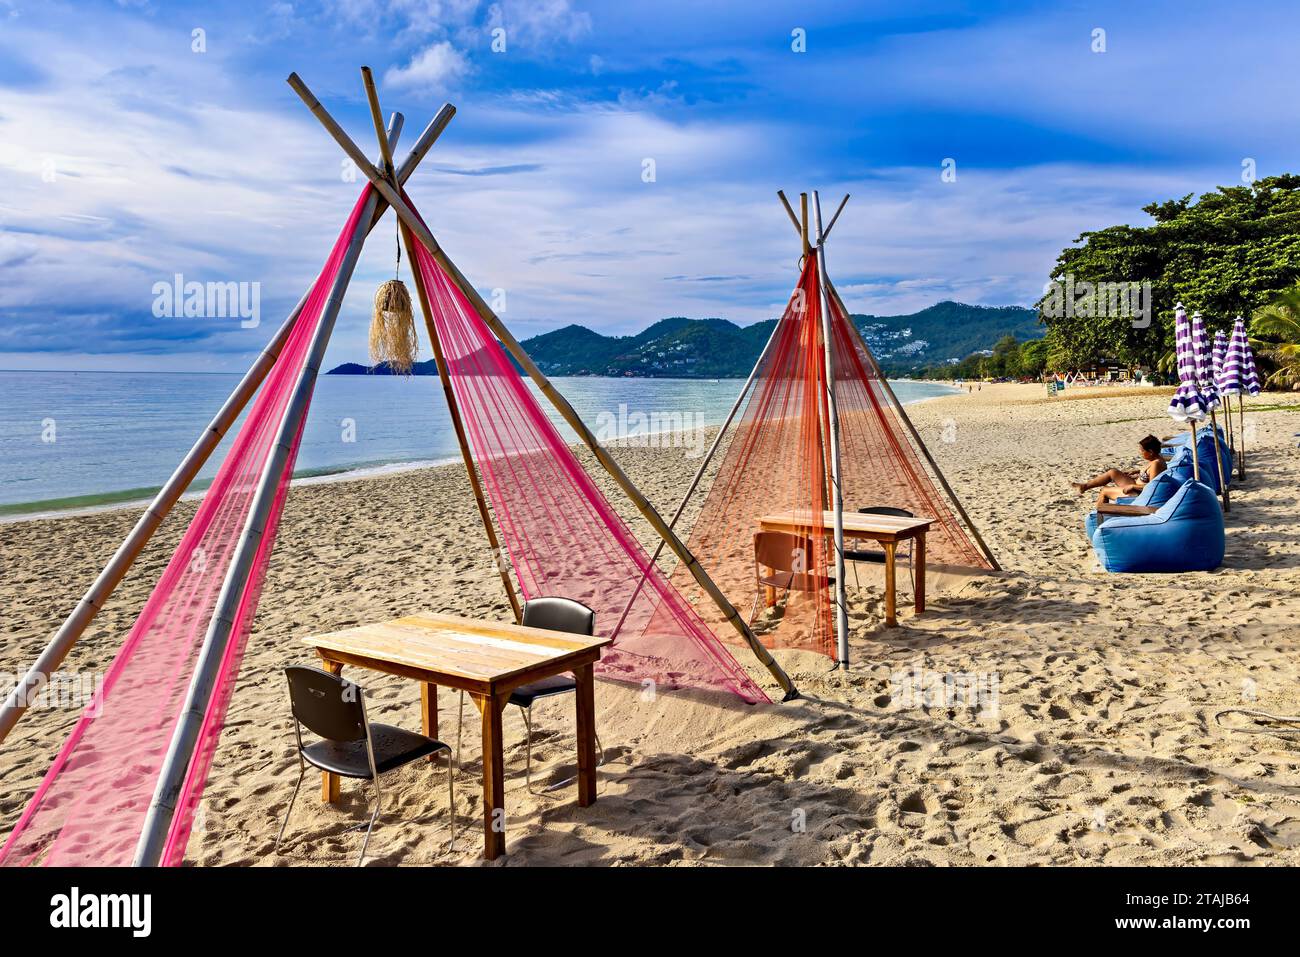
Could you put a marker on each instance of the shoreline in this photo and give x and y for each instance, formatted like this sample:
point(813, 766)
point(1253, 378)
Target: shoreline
point(139, 498)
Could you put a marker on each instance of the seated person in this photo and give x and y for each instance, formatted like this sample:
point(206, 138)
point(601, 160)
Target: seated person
point(1115, 483)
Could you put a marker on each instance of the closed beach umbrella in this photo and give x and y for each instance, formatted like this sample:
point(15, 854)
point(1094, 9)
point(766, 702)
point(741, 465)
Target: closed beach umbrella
point(1204, 365)
point(1249, 377)
point(1232, 379)
point(1240, 378)
point(1218, 358)
point(1202, 359)
point(1186, 405)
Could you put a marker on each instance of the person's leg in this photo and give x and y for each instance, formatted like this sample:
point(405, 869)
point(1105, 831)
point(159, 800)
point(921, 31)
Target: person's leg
point(1105, 478)
point(1108, 494)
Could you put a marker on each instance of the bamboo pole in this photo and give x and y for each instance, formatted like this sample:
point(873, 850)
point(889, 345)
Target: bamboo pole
point(901, 412)
point(1218, 463)
point(52, 657)
point(171, 778)
point(454, 409)
point(1196, 465)
point(1241, 420)
point(833, 413)
point(844, 202)
point(699, 474)
point(789, 210)
point(372, 96)
point(75, 625)
point(803, 223)
point(642, 504)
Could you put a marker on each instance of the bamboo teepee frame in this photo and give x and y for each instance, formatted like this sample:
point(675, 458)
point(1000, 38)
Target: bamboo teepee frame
point(387, 180)
point(420, 231)
point(826, 293)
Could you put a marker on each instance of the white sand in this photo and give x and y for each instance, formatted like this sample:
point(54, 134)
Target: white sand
point(1100, 747)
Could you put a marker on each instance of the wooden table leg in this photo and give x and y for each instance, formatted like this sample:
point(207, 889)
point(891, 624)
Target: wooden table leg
point(769, 592)
point(494, 780)
point(585, 702)
point(329, 783)
point(891, 600)
point(918, 569)
point(429, 710)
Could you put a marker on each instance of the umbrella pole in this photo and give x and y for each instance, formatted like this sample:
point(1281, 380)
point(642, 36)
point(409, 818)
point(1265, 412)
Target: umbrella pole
point(1196, 465)
point(1218, 463)
point(1227, 418)
point(1241, 418)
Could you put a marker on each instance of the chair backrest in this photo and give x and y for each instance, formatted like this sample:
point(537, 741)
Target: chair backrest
point(783, 552)
point(1160, 489)
point(559, 614)
point(325, 704)
point(1180, 464)
point(885, 510)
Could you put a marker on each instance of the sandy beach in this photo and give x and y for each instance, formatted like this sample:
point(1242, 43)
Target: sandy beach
point(1095, 742)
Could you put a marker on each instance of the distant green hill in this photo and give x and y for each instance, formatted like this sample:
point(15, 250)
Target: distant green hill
point(718, 349)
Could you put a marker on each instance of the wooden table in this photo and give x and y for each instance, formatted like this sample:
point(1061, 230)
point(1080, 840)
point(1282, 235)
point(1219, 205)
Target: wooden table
point(486, 659)
point(888, 530)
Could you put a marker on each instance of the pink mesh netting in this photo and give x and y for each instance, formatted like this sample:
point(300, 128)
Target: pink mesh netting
point(90, 807)
point(778, 461)
point(561, 536)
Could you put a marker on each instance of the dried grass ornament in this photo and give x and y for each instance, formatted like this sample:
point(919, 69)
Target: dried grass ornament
point(392, 328)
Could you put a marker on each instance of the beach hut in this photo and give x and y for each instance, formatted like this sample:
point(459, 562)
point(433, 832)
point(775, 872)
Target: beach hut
point(817, 452)
point(125, 786)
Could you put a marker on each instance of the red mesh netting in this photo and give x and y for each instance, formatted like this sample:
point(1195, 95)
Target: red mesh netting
point(778, 461)
point(560, 534)
point(90, 808)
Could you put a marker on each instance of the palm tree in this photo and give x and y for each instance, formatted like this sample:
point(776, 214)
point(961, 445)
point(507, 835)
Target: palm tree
point(1279, 321)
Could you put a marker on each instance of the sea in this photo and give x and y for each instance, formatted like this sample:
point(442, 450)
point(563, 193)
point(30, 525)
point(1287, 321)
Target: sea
point(89, 440)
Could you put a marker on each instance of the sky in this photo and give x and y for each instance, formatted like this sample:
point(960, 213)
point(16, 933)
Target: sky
point(141, 140)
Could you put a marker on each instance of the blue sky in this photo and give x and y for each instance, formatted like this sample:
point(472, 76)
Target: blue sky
point(127, 157)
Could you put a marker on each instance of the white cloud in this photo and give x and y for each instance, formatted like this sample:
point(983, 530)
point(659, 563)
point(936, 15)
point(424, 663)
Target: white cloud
point(432, 70)
point(536, 24)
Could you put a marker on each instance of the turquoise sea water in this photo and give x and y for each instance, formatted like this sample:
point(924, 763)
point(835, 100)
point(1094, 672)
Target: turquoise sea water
point(81, 439)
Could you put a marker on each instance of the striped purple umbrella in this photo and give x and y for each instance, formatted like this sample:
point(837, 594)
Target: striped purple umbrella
point(1249, 376)
point(1217, 357)
point(1204, 367)
point(1232, 378)
point(1187, 404)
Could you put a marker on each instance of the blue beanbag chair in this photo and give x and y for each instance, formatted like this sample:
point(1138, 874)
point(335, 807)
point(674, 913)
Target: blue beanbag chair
point(1184, 535)
point(1205, 455)
point(1154, 494)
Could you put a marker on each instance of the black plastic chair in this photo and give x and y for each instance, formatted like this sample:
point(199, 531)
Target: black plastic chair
point(555, 614)
point(351, 747)
point(877, 556)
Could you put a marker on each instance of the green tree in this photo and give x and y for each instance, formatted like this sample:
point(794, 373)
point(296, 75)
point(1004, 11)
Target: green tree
point(1225, 254)
point(1005, 360)
point(1033, 357)
point(1279, 325)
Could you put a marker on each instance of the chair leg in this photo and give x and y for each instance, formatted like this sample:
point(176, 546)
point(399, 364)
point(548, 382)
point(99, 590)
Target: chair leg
point(302, 772)
point(600, 762)
point(451, 802)
point(528, 748)
point(374, 815)
point(460, 723)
